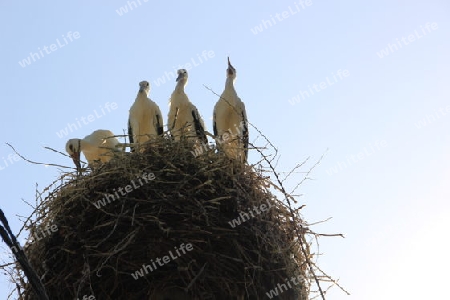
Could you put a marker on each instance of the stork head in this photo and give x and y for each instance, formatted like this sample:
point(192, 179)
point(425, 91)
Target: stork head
point(144, 87)
point(231, 71)
point(73, 149)
point(182, 75)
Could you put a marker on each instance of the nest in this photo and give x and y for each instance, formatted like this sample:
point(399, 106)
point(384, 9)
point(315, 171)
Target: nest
point(158, 224)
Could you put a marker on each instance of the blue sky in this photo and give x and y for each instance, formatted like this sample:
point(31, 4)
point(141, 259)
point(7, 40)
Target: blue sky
point(390, 201)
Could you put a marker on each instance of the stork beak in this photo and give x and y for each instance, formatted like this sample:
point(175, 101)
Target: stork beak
point(76, 160)
point(229, 64)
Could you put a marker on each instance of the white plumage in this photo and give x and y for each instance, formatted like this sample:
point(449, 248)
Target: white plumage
point(230, 121)
point(97, 146)
point(183, 118)
point(145, 120)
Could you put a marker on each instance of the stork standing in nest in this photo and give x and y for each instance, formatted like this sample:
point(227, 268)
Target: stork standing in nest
point(96, 147)
point(145, 121)
point(183, 118)
point(230, 121)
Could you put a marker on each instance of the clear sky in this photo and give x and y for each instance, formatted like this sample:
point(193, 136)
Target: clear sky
point(367, 80)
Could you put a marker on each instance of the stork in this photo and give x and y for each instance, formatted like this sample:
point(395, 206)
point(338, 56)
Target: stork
point(145, 120)
point(183, 118)
point(230, 121)
point(96, 147)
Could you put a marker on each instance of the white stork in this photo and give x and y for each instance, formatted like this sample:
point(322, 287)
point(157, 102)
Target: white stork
point(96, 147)
point(230, 121)
point(145, 120)
point(183, 118)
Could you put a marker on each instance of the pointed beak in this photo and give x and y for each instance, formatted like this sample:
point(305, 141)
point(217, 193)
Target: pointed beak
point(230, 69)
point(76, 160)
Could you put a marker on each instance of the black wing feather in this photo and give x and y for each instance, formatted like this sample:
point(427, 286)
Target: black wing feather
point(199, 130)
point(130, 135)
point(245, 135)
point(159, 127)
point(214, 125)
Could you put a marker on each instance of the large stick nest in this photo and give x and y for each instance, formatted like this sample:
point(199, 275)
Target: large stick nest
point(191, 200)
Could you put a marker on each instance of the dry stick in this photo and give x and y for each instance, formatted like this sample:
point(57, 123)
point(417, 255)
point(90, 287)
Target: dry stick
point(329, 234)
point(308, 261)
point(51, 149)
point(307, 173)
point(6, 265)
point(36, 163)
point(332, 280)
point(296, 229)
point(10, 239)
point(320, 222)
point(38, 205)
point(196, 277)
point(298, 166)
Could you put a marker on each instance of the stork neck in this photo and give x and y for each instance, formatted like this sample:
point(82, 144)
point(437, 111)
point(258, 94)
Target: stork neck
point(179, 88)
point(142, 95)
point(229, 83)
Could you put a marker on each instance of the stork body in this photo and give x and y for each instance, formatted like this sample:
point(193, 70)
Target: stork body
point(145, 120)
point(183, 118)
point(96, 147)
point(230, 121)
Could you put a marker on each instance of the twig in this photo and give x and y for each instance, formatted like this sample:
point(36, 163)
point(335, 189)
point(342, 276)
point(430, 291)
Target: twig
point(293, 222)
point(196, 277)
point(307, 173)
point(37, 163)
point(295, 168)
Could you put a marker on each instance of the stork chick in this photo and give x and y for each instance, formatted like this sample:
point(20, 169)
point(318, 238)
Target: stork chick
point(230, 121)
point(145, 119)
point(96, 147)
point(183, 118)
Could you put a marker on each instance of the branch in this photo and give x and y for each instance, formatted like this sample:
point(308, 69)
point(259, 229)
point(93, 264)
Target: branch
point(38, 163)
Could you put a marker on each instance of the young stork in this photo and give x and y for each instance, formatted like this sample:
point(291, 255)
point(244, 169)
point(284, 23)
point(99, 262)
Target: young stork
point(96, 147)
point(183, 118)
point(145, 120)
point(230, 115)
